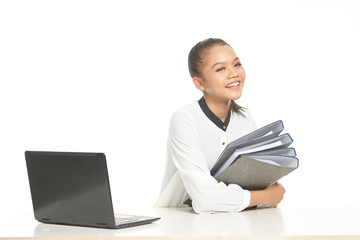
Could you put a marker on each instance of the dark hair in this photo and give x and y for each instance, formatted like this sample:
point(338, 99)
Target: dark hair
point(195, 60)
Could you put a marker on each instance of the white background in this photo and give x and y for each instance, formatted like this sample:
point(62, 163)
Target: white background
point(105, 76)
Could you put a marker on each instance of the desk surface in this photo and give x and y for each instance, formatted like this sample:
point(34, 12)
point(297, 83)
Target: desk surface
point(183, 222)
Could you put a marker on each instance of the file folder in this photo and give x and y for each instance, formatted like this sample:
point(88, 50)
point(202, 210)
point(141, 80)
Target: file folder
point(257, 159)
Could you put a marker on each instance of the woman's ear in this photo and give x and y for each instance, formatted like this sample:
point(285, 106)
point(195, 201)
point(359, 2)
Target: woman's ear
point(199, 84)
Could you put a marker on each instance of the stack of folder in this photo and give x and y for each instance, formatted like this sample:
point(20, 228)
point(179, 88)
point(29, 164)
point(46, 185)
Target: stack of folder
point(258, 159)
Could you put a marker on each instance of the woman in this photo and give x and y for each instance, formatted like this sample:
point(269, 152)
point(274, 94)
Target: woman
point(200, 131)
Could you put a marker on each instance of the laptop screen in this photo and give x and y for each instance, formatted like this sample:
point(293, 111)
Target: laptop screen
point(70, 188)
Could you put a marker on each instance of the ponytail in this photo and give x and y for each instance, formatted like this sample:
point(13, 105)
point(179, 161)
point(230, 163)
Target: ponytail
point(234, 107)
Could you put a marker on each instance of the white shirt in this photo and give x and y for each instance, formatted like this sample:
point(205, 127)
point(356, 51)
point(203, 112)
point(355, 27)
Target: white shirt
point(194, 144)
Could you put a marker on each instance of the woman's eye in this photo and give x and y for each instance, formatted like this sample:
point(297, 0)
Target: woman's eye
point(220, 69)
point(238, 65)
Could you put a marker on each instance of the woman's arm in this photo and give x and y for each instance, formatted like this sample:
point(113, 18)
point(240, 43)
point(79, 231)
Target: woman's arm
point(270, 196)
point(207, 193)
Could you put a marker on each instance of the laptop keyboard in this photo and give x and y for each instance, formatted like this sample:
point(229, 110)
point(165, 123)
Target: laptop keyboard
point(124, 219)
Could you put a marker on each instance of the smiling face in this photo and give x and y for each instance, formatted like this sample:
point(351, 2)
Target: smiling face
point(222, 76)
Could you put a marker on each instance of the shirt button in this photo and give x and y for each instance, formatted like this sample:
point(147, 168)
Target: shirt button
point(223, 143)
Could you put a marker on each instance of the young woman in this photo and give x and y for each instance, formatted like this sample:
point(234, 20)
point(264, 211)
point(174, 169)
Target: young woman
point(200, 131)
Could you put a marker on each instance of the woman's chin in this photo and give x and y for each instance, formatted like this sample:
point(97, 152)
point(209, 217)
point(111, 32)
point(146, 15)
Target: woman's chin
point(236, 96)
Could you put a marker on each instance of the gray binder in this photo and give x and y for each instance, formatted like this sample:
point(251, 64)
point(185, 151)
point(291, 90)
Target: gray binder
point(256, 172)
point(256, 137)
point(257, 159)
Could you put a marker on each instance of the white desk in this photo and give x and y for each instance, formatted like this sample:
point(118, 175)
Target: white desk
point(276, 223)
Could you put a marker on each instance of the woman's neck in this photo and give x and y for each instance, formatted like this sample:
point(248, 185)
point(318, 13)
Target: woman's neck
point(219, 107)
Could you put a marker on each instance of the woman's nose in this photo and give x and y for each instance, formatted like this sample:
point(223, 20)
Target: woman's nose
point(232, 73)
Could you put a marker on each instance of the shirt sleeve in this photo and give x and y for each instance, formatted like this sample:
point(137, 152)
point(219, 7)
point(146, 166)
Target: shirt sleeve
point(208, 195)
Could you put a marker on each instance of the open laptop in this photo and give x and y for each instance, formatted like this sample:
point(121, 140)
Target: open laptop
point(73, 189)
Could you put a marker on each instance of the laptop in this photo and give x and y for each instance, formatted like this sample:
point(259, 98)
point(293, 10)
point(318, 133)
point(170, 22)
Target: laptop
point(72, 188)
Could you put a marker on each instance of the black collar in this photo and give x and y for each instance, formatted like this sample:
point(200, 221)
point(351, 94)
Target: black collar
point(222, 125)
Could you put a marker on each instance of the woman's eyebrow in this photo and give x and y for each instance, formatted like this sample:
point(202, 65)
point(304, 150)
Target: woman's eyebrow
point(220, 63)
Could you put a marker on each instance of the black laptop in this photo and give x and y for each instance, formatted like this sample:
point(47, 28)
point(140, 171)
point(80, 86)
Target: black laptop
point(73, 189)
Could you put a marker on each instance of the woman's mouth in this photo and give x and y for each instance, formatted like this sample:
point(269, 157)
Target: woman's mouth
point(233, 84)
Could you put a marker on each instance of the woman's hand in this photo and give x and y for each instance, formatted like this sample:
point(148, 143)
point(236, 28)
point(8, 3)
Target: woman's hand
point(275, 194)
point(270, 196)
